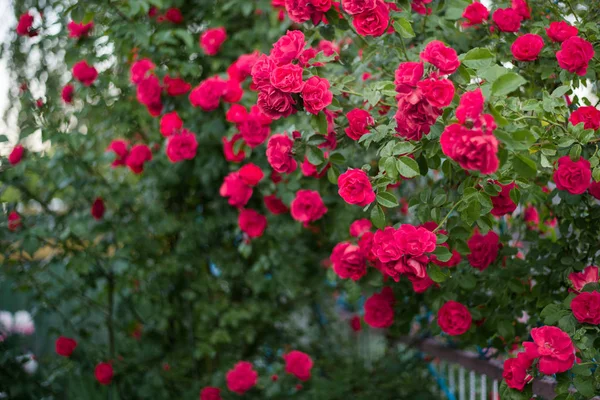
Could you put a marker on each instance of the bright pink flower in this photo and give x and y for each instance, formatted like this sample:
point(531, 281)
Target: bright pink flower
point(454, 318)
point(373, 22)
point(502, 202)
point(554, 349)
point(79, 30)
point(288, 48)
point(275, 103)
point(210, 393)
point(586, 308)
point(379, 309)
point(561, 31)
point(441, 56)
point(148, 94)
point(279, 154)
point(208, 93)
point(573, 176)
point(527, 47)
point(182, 146)
point(589, 115)
point(316, 94)
point(236, 190)
point(348, 261)
point(67, 93)
point(358, 123)
point(515, 371)
point(14, 221)
point(354, 7)
point(140, 70)
point(438, 92)
point(170, 124)
point(287, 78)
point(84, 73)
point(252, 223)
point(241, 378)
point(575, 54)
point(358, 227)
point(415, 241)
point(138, 156)
point(355, 187)
point(307, 206)
point(16, 155)
point(176, 86)
point(212, 40)
point(298, 364)
point(386, 247)
point(475, 14)
point(521, 7)
point(507, 19)
point(484, 249)
point(251, 174)
point(580, 279)
point(104, 373)
point(120, 148)
point(25, 25)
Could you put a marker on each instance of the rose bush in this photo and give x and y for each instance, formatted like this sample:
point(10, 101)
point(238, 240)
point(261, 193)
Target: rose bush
point(257, 138)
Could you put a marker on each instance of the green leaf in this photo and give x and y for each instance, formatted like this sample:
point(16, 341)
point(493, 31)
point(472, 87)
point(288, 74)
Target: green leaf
point(524, 166)
point(387, 199)
point(436, 274)
point(442, 253)
point(185, 36)
point(333, 175)
point(407, 167)
point(321, 123)
point(552, 313)
point(378, 217)
point(585, 386)
point(3, 138)
point(439, 200)
point(10, 195)
point(582, 370)
point(402, 148)
point(560, 91)
point(314, 155)
point(596, 174)
point(404, 28)
point(507, 83)
point(478, 58)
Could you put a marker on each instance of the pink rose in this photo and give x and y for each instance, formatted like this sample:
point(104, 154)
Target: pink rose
point(298, 364)
point(359, 122)
point(472, 149)
point(176, 86)
point(573, 176)
point(261, 72)
point(379, 309)
point(554, 349)
point(439, 93)
point(148, 94)
point(275, 103)
point(288, 47)
point(359, 227)
point(241, 378)
point(515, 371)
point(441, 56)
point(208, 93)
point(212, 39)
point(454, 318)
point(251, 174)
point(407, 75)
point(527, 47)
point(355, 187)
point(475, 14)
point(275, 205)
point(84, 73)
point(137, 157)
point(502, 202)
point(16, 155)
point(586, 308)
point(170, 123)
point(316, 94)
point(580, 279)
point(279, 154)
point(252, 223)
point(415, 241)
point(589, 115)
point(575, 54)
point(373, 22)
point(67, 93)
point(354, 7)
point(79, 30)
point(348, 261)
point(307, 206)
point(229, 149)
point(484, 249)
point(182, 146)
point(236, 190)
point(560, 31)
point(288, 78)
point(140, 69)
point(507, 19)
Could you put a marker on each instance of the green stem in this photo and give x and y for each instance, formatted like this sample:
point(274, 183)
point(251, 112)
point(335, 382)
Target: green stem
point(447, 216)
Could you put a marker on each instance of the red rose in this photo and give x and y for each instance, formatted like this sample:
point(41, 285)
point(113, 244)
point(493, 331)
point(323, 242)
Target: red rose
point(385, 246)
point(241, 378)
point(594, 190)
point(366, 246)
point(14, 221)
point(328, 48)
point(103, 373)
point(276, 104)
point(527, 47)
point(208, 93)
point(174, 15)
point(182, 146)
point(65, 346)
point(261, 72)
point(288, 48)
point(515, 372)
point(348, 261)
point(586, 308)
point(358, 227)
point(279, 154)
point(415, 116)
point(84, 73)
point(307, 206)
point(414, 268)
point(311, 171)
point(16, 155)
point(373, 22)
point(316, 94)
point(233, 91)
point(120, 148)
point(288, 78)
point(574, 177)
point(176, 86)
point(575, 54)
point(254, 126)
point(139, 154)
point(140, 69)
point(242, 67)
point(407, 75)
point(561, 31)
point(298, 364)
point(251, 174)
point(210, 393)
point(299, 11)
point(148, 94)
point(252, 223)
point(379, 309)
point(454, 318)
point(475, 14)
point(470, 106)
point(170, 124)
point(78, 30)
point(354, 7)
point(212, 39)
point(502, 202)
point(359, 122)
point(507, 19)
point(275, 205)
point(98, 208)
point(438, 92)
point(421, 285)
point(521, 7)
point(589, 115)
point(441, 56)
point(24, 27)
point(415, 241)
point(418, 6)
point(236, 114)
point(553, 347)
point(236, 189)
point(355, 187)
point(484, 249)
point(355, 324)
point(580, 279)
point(67, 93)
point(472, 149)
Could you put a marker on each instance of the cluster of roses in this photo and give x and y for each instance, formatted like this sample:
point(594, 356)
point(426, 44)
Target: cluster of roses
point(369, 17)
point(103, 372)
point(242, 377)
point(420, 101)
point(300, 11)
point(586, 305)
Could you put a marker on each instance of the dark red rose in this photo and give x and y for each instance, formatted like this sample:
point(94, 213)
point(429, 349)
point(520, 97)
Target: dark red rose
point(120, 148)
point(484, 249)
point(502, 202)
point(275, 103)
point(148, 94)
point(573, 176)
point(515, 372)
point(210, 393)
point(355, 324)
point(14, 221)
point(348, 261)
point(373, 22)
point(241, 378)
point(103, 373)
point(67, 93)
point(84, 73)
point(174, 15)
point(586, 308)
point(454, 318)
point(275, 205)
point(65, 346)
point(98, 208)
point(575, 54)
point(138, 156)
point(589, 115)
point(379, 309)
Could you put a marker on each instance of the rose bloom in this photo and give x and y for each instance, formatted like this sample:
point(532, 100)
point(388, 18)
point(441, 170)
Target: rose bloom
point(413, 267)
point(176, 86)
point(310, 170)
point(298, 364)
point(373, 22)
point(348, 261)
point(589, 115)
point(14, 221)
point(208, 93)
point(328, 48)
point(251, 174)
point(441, 56)
point(242, 67)
point(254, 127)
point(502, 202)
point(507, 19)
point(472, 149)
point(454, 318)
point(586, 308)
point(484, 249)
point(418, 6)
point(414, 119)
point(358, 227)
point(67, 93)
point(275, 205)
point(212, 39)
point(421, 285)
point(527, 47)
point(148, 94)
point(229, 146)
point(103, 373)
point(182, 146)
point(210, 393)
point(407, 75)
point(386, 247)
point(79, 30)
point(560, 31)
point(379, 309)
point(531, 217)
point(287, 78)
point(475, 14)
point(366, 246)
point(580, 279)
point(307, 206)
point(236, 190)
point(276, 104)
point(24, 27)
point(174, 15)
point(233, 91)
point(279, 154)
point(65, 346)
point(16, 155)
point(415, 241)
point(515, 372)
point(470, 106)
point(140, 69)
point(252, 223)
point(354, 7)
point(170, 123)
point(138, 156)
point(554, 349)
point(98, 209)
point(299, 11)
point(241, 378)
point(355, 187)
point(84, 73)
point(120, 148)
point(359, 122)
point(575, 54)
point(521, 7)
point(287, 48)
point(355, 324)
point(316, 94)
point(571, 176)
point(438, 92)
point(261, 72)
